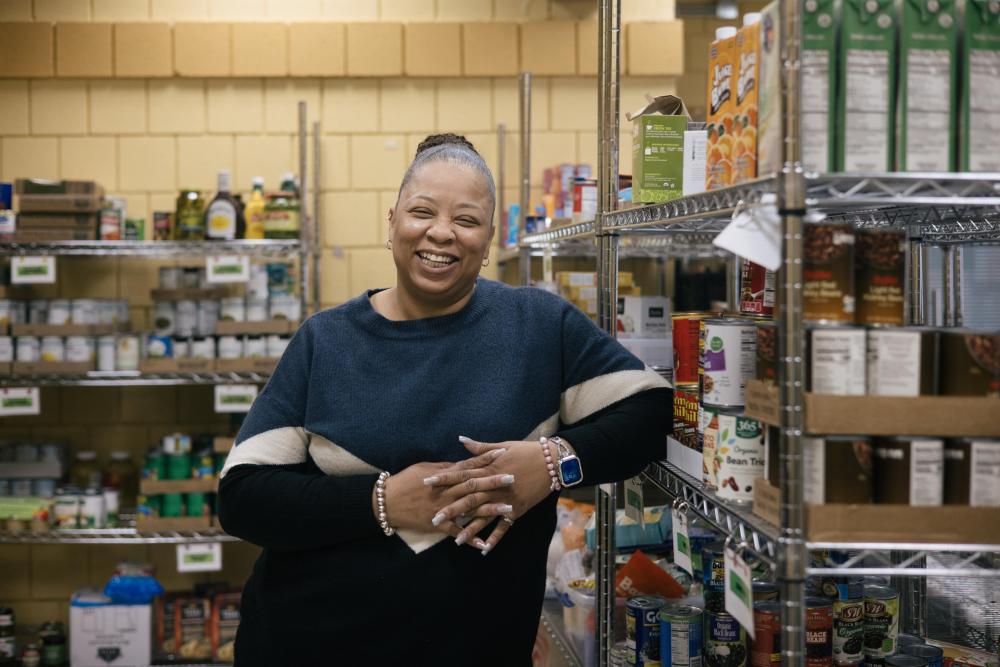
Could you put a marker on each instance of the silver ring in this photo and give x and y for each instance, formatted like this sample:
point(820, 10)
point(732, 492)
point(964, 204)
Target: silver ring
point(508, 520)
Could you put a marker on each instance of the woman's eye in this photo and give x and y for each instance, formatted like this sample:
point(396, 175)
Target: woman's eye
point(422, 213)
point(468, 221)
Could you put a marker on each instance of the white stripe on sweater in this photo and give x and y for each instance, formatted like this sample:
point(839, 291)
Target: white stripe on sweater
point(593, 395)
point(279, 446)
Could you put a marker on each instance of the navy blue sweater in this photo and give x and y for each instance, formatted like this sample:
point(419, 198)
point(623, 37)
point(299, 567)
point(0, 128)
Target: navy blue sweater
point(355, 394)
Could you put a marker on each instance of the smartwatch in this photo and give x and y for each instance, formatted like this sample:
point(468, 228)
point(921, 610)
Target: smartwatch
point(568, 464)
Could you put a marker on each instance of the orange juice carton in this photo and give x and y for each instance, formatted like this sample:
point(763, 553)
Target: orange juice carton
point(770, 137)
point(820, 23)
point(721, 108)
point(980, 91)
point(747, 95)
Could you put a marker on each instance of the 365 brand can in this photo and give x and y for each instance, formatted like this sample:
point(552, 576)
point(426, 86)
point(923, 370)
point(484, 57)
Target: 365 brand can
point(909, 471)
point(879, 273)
point(881, 622)
point(728, 348)
point(836, 360)
point(970, 363)
point(739, 457)
point(902, 361)
point(765, 648)
point(686, 334)
point(848, 630)
point(725, 641)
point(756, 289)
point(837, 469)
point(681, 629)
point(642, 630)
point(828, 272)
point(686, 417)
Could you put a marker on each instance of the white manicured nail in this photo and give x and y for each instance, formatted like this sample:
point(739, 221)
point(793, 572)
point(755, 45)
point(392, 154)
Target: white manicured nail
point(438, 518)
point(432, 480)
point(507, 479)
point(462, 438)
point(460, 540)
point(486, 549)
point(506, 509)
point(497, 453)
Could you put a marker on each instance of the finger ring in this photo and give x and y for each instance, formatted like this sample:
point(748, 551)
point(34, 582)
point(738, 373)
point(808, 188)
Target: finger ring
point(508, 520)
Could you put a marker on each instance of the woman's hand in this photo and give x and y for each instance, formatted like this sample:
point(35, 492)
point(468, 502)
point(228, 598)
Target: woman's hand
point(523, 460)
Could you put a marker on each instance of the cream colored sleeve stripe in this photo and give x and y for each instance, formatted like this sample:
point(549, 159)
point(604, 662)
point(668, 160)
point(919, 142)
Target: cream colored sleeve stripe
point(279, 446)
point(586, 398)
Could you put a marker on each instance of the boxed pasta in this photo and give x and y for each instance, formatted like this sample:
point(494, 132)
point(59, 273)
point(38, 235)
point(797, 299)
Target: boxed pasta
point(819, 85)
point(192, 627)
point(979, 44)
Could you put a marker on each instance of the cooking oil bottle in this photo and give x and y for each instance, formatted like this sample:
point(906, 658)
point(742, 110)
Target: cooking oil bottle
point(254, 213)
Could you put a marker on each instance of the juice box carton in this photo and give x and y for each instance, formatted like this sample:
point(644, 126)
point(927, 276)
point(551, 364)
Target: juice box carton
point(658, 150)
point(819, 84)
point(979, 42)
point(770, 135)
point(927, 108)
point(747, 94)
point(867, 84)
point(721, 105)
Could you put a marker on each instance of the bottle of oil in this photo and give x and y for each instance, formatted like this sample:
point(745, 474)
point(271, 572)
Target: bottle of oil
point(224, 216)
point(254, 213)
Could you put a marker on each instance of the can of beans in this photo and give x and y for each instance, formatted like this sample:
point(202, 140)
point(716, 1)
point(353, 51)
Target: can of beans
point(202, 464)
point(171, 505)
point(766, 369)
point(686, 332)
point(848, 630)
point(828, 272)
point(686, 417)
point(681, 636)
point(725, 640)
point(756, 289)
point(739, 457)
point(196, 504)
point(155, 466)
point(764, 591)
point(902, 361)
point(934, 655)
point(879, 276)
point(765, 648)
point(836, 355)
point(908, 471)
point(972, 472)
point(179, 466)
point(881, 622)
point(642, 630)
point(837, 469)
point(970, 363)
point(728, 348)
point(819, 632)
point(713, 576)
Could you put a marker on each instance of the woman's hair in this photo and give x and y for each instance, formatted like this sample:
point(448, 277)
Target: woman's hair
point(452, 148)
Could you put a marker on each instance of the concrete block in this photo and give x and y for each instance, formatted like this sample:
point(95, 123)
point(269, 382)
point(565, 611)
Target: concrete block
point(350, 10)
point(143, 50)
point(350, 105)
point(574, 103)
point(199, 160)
point(58, 107)
point(655, 48)
point(202, 49)
point(30, 157)
point(407, 105)
point(335, 276)
point(465, 10)
point(549, 149)
point(371, 268)
point(519, 10)
point(293, 10)
point(377, 161)
point(490, 49)
point(465, 105)
point(260, 49)
point(120, 10)
point(16, 10)
point(177, 106)
point(27, 49)
point(179, 10)
point(235, 105)
point(147, 164)
point(88, 158)
point(647, 10)
point(281, 103)
point(83, 49)
point(374, 49)
point(269, 157)
point(317, 49)
point(118, 106)
point(14, 110)
point(406, 10)
point(506, 104)
point(351, 219)
point(586, 48)
point(549, 47)
point(235, 10)
point(336, 156)
point(433, 49)
point(62, 10)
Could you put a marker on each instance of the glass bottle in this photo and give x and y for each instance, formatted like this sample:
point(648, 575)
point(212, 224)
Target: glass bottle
point(85, 471)
point(224, 215)
point(189, 218)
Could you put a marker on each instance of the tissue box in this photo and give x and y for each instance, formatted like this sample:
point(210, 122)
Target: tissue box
point(103, 634)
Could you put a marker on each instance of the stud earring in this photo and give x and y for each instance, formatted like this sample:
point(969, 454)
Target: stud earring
point(486, 262)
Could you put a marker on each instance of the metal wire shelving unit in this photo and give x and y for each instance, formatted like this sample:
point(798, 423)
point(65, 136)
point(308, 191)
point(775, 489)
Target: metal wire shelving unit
point(158, 249)
point(113, 536)
point(133, 379)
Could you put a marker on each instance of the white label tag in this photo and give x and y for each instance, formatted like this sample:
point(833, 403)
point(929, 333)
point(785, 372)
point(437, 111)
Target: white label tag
point(739, 590)
point(755, 234)
point(200, 557)
point(547, 264)
point(234, 397)
point(682, 543)
point(227, 269)
point(33, 270)
point(633, 501)
point(20, 401)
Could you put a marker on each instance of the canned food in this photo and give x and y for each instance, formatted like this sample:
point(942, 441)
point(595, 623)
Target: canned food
point(255, 347)
point(681, 636)
point(713, 567)
point(934, 655)
point(903, 660)
point(178, 466)
point(38, 312)
point(208, 317)
point(256, 310)
point(107, 351)
point(108, 311)
point(5, 306)
point(879, 273)
point(182, 348)
point(739, 457)
point(828, 272)
point(185, 318)
point(881, 621)
point(155, 466)
point(764, 591)
point(20, 487)
point(727, 358)
point(836, 356)
point(27, 348)
point(58, 312)
point(171, 505)
point(84, 311)
point(6, 348)
point(765, 648)
point(756, 289)
point(276, 345)
point(164, 318)
point(969, 363)
point(233, 309)
point(256, 288)
point(159, 347)
point(53, 349)
point(902, 361)
point(202, 464)
point(148, 506)
point(972, 472)
point(642, 629)
point(170, 277)
point(163, 225)
point(66, 508)
point(725, 640)
point(80, 349)
point(686, 334)
point(819, 632)
point(280, 279)
point(708, 435)
point(848, 630)
point(26, 452)
point(203, 348)
point(111, 506)
point(92, 513)
point(230, 347)
point(43, 488)
point(196, 504)
point(908, 471)
point(190, 277)
point(766, 369)
point(285, 308)
point(838, 469)
point(127, 353)
point(686, 418)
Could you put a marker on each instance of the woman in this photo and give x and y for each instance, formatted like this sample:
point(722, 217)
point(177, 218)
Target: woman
point(416, 414)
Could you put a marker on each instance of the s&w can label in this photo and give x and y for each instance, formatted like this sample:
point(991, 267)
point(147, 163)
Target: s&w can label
point(848, 630)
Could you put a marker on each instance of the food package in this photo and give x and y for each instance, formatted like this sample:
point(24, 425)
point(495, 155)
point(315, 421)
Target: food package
point(658, 149)
point(192, 627)
point(641, 576)
point(225, 621)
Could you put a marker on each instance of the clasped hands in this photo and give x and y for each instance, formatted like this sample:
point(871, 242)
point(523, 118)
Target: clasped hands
point(500, 483)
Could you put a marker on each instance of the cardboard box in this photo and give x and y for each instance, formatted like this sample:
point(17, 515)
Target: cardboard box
point(979, 41)
point(188, 294)
point(589, 279)
point(721, 106)
point(867, 85)
point(747, 88)
point(50, 220)
point(110, 634)
point(46, 234)
point(51, 367)
point(658, 150)
point(927, 114)
point(654, 352)
point(64, 203)
point(279, 327)
point(150, 487)
point(44, 186)
point(180, 524)
point(770, 138)
point(643, 317)
point(244, 365)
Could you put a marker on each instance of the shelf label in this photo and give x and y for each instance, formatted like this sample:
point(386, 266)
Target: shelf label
point(33, 270)
point(199, 557)
point(20, 401)
point(739, 590)
point(682, 543)
point(234, 397)
point(633, 501)
point(227, 268)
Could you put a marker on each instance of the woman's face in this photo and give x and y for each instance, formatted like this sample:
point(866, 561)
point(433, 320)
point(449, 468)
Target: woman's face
point(441, 231)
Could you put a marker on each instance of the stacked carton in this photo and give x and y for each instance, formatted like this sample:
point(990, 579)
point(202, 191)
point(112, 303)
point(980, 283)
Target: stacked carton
point(580, 288)
point(57, 210)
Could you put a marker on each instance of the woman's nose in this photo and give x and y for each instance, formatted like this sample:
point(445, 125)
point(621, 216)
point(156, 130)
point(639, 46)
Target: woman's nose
point(440, 231)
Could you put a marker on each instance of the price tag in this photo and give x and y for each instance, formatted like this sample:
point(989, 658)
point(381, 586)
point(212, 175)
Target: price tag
point(234, 397)
point(20, 401)
point(201, 557)
point(739, 590)
point(682, 543)
point(34, 270)
point(227, 269)
point(633, 501)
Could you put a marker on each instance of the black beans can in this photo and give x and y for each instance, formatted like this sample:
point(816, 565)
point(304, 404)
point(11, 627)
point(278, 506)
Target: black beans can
point(902, 361)
point(881, 622)
point(713, 563)
point(969, 363)
point(725, 641)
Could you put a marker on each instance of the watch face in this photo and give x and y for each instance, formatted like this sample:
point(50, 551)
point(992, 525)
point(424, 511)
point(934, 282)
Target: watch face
point(570, 471)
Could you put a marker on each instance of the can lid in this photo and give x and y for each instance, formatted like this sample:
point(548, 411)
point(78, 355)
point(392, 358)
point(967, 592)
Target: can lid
point(922, 650)
point(817, 602)
point(880, 592)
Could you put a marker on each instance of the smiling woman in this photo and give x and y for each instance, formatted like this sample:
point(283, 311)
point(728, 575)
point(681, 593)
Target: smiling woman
point(446, 406)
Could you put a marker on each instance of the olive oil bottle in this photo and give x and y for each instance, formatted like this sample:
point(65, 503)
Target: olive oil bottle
point(224, 215)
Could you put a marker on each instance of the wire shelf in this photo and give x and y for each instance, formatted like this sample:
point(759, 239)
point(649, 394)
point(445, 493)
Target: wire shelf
point(552, 621)
point(255, 248)
point(133, 379)
point(113, 536)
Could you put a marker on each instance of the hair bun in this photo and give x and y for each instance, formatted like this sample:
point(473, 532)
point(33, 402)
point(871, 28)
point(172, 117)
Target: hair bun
point(433, 140)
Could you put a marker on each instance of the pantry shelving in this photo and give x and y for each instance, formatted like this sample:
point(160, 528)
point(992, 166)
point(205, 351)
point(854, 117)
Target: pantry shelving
point(112, 536)
point(132, 379)
point(562, 644)
point(252, 248)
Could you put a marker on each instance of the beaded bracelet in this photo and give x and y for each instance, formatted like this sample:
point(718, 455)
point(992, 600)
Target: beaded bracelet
point(544, 442)
point(383, 520)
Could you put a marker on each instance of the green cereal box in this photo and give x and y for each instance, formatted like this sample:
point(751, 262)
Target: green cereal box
point(927, 113)
point(658, 150)
point(819, 84)
point(980, 90)
point(867, 85)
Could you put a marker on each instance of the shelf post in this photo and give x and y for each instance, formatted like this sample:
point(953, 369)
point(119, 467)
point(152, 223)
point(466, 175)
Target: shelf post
point(948, 290)
point(525, 132)
point(501, 203)
point(792, 552)
point(608, 100)
point(316, 245)
point(304, 228)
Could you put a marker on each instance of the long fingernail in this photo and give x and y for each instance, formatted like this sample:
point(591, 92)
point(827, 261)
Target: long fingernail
point(462, 438)
point(507, 479)
point(506, 509)
point(486, 549)
point(432, 480)
point(460, 540)
point(438, 518)
point(497, 453)
point(479, 544)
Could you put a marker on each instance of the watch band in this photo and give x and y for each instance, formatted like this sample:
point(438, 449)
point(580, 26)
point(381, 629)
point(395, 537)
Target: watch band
point(567, 463)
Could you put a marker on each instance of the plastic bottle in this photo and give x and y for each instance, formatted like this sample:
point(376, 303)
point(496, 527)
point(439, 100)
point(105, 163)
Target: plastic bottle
point(223, 216)
point(254, 213)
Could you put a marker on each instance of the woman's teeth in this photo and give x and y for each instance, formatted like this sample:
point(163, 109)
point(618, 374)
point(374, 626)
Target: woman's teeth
point(435, 261)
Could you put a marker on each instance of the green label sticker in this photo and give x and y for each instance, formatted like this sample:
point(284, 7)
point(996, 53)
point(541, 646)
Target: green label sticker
point(715, 344)
point(683, 545)
point(739, 590)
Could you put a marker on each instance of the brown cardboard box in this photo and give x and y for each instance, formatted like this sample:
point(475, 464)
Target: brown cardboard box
point(184, 523)
point(65, 203)
point(188, 294)
point(66, 329)
point(70, 220)
point(51, 367)
point(280, 327)
point(176, 365)
point(150, 487)
point(260, 365)
point(45, 234)
point(44, 186)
